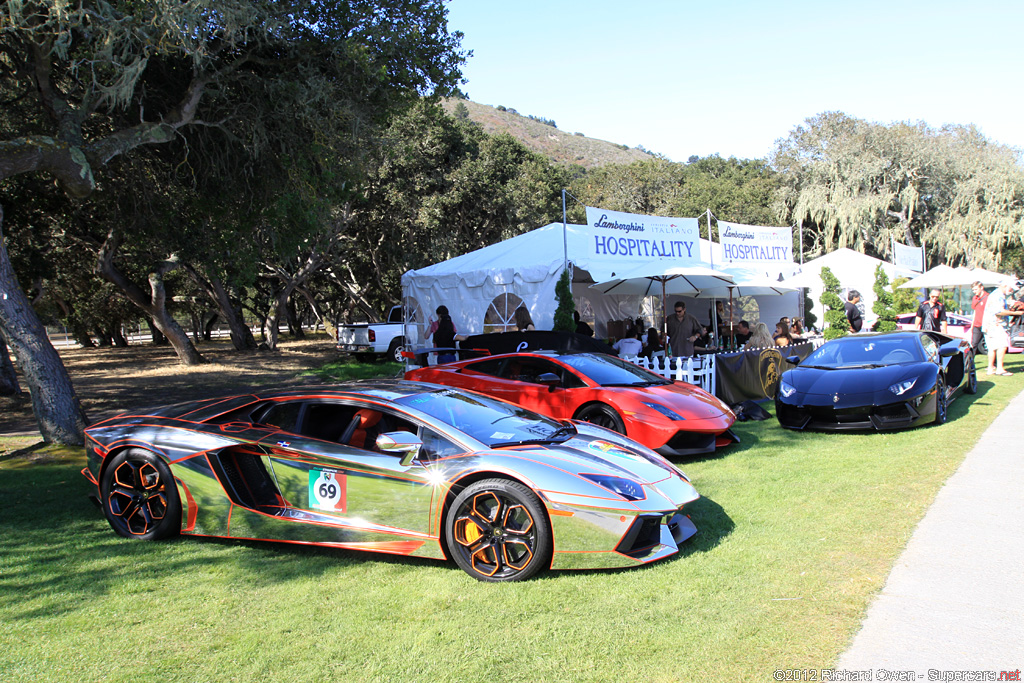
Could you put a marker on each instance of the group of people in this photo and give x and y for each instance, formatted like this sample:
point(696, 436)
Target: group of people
point(992, 313)
point(991, 320)
point(687, 336)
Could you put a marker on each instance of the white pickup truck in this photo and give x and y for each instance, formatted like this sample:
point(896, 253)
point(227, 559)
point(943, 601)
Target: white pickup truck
point(366, 340)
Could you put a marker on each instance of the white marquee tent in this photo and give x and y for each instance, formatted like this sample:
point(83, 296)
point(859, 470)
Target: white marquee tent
point(482, 288)
point(853, 269)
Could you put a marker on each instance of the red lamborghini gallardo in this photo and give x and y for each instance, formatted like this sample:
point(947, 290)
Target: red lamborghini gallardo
point(673, 418)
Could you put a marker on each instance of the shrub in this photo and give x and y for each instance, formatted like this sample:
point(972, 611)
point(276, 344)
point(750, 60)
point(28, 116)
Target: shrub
point(564, 321)
point(883, 302)
point(836, 323)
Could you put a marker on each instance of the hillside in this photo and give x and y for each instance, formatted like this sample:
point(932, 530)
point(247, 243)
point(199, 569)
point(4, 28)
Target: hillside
point(561, 147)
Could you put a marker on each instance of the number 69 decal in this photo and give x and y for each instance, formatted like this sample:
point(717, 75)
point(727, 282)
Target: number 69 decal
point(327, 490)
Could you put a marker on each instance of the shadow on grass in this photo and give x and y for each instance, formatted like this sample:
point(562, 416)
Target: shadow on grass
point(59, 555)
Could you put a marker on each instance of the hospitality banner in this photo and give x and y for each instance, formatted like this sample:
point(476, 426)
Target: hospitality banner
point(746, 243)
point(632, 237)
point(911, 258)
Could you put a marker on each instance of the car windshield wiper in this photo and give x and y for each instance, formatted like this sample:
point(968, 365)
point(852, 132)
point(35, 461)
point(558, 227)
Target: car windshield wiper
point(863, 365)
point(564, 430)
point(560, 435)
point(640, 383)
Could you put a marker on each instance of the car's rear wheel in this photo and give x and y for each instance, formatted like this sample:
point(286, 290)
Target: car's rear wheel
point(395, 350)
point(941, 404)
point(140, 498)
point(603, 416)
point(971, 387)
point(497, 530)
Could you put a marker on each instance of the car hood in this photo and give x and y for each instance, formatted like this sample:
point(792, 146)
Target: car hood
point(859, 380)
point(595, 450)
point(684, 399)
point(565, 472)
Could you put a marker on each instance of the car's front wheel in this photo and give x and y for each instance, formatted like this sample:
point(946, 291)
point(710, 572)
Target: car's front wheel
point(941, 403)
point(140, 498)
point(602, 416)
point(497, 530)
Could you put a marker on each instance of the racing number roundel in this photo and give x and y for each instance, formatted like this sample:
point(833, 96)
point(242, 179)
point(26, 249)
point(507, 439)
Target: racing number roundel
point(327, 490)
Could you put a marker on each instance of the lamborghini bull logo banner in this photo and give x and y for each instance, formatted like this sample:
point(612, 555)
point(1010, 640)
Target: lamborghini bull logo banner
point(632, 237)
point(754, 374)
point(755, 243)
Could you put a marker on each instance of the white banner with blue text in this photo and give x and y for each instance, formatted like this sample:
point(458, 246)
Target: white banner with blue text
point(748, 243)
point(911, 258)
point(631, 237)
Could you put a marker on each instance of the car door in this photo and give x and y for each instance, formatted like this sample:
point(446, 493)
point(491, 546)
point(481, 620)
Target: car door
point(525, 388)
point(370, 491)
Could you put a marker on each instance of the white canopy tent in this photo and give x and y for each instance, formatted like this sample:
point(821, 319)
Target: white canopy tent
point(853, 269)
point(482, 288)
point(938, 277)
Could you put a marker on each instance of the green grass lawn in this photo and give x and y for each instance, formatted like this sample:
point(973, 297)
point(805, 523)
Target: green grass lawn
point(797, 533)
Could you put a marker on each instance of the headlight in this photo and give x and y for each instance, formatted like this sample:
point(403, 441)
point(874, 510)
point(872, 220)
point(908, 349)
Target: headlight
point(627, 488)
point(786, 389)
point(664, 411)
point(903, 387)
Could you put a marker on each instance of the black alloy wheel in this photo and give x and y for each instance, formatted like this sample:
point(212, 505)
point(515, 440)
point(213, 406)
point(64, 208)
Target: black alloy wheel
point(497, 530)
point(140, 498)
point(971, 387)
point(941, 402)
point(603, 416)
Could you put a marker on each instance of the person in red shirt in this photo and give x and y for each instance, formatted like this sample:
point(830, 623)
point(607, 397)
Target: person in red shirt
point(978, 306)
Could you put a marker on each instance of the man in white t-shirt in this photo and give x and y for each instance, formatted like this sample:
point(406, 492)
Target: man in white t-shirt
point(629, 346)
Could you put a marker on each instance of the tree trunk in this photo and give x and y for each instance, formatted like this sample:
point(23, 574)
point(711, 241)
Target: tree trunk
point(154, 304)
point(329, 327)
point(241, 335)
point(156, 335)
point(208, 326)
point(8, 375)
point(58, 412)
point(294, 323)
point(118, 336)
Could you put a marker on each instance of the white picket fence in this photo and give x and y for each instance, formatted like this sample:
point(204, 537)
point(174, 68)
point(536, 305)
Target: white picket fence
point(699, 370)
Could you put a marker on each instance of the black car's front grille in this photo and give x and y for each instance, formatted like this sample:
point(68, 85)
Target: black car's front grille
point(888, 416)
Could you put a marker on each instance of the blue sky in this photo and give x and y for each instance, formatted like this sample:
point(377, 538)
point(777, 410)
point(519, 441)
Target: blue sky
point(731, 77)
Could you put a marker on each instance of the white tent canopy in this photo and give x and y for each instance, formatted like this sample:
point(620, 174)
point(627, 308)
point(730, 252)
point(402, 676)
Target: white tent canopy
point(940, 276)
point(853, 269)
point(482, 288)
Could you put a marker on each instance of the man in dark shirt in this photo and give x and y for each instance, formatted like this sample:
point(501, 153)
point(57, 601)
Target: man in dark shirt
point(931, 315)
point(742, 333)
point(853, 312)
point(683, 330)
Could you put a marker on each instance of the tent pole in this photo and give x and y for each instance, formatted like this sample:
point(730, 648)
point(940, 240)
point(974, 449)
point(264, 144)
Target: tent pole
point(565, 240)
point(711, 240)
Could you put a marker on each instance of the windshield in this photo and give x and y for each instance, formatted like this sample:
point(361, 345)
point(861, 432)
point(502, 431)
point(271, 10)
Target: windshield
point(487, 420)
point(609, 371)
point(855, 352)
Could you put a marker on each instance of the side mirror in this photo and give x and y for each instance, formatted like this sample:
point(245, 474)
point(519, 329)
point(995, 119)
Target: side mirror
point(795, 360)
point(406, 444)
point(550, 380)
point(947, 352)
